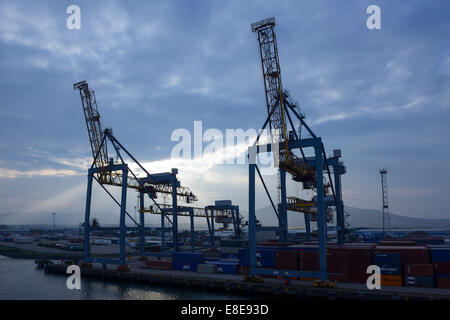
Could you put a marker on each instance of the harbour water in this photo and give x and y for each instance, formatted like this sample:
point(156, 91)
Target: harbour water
point(20, 279)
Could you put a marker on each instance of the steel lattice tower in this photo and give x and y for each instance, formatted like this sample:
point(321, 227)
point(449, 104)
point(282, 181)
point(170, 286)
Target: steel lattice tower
point(386, 213)
point(272, 83)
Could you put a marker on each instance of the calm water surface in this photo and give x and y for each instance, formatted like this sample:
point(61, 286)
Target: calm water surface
point(19, 279)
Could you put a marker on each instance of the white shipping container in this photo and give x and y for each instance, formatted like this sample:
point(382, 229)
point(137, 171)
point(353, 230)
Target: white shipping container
point(101, 241)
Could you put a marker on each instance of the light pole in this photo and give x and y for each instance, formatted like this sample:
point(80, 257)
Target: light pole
point(54, 222)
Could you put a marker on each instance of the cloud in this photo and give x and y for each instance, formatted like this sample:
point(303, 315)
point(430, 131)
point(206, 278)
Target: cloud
point(382, 97)
point(13, 174)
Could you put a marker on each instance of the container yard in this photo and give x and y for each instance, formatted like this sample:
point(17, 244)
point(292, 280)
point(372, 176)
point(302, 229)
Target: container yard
point(282, 209)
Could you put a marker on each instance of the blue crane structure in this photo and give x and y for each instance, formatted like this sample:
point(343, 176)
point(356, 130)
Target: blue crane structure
point(220, 212)
point(309, 171)
point(106, 171)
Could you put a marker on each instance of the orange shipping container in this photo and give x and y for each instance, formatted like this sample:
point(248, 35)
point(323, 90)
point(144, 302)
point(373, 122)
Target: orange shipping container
point(391, 280)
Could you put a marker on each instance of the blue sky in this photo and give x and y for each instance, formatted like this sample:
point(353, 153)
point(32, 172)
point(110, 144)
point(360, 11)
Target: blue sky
point(381, 96)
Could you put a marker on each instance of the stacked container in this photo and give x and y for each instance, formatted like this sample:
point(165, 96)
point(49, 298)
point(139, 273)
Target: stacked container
point(419, 275)
point(265, 257)
point(440, 256)
point(164, 264)
point(337, 264)
point(398, 243)
point(408, 254)
point(227, 267)
point(359, 257)
point(391, 268)
point(286, 260)
point(206, 268)
point(187, 261)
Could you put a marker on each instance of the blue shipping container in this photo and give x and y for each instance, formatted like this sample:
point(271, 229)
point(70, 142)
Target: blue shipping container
point(391, 269)
point(440, 254)
point(264, 257)
point(384, 258)
point(187, 261)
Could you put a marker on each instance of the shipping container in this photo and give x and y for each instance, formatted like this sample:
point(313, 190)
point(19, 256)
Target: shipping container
point(387, 258)
point(441, 268)
point(397, 243)
point(408, 254)
point(443, 282)
point(187, 261)
point(308, 260)
point(265, 257)
point(225, 267)
point(430, 241)
point(159, 264)
point(244, 269)
point(440, 254)
point(419, 281)
point(422, 270)
point(358, 277)
point(229, 256)
point(286, 260)
point(391, 280)
point(207, 268)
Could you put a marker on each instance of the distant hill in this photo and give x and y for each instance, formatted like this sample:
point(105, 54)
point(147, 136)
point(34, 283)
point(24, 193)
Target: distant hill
point(358, 218)
point(371, 218)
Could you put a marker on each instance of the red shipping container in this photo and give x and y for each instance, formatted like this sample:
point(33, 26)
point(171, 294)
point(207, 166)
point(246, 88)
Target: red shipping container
point(441, 267)
point(359, 277)
point(244, 270)
point(443, 283)
point(159, 264)
point(286, 259)
point(308, 260)
point(419, 270)
point(338, 277)
point(397, 243)
point(337, 261)
point(359, 256)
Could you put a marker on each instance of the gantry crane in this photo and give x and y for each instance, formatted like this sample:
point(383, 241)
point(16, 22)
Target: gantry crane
point(106, 171)
point(281, 113)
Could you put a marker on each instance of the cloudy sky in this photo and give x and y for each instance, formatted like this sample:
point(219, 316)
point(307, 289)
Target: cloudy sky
point(381, 96)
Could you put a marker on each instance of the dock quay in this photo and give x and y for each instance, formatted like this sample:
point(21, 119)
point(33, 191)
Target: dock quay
point(230, 282)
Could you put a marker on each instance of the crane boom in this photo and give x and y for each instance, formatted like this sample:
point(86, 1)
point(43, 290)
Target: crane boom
point(94, 127)
point(278, 102)
point(272, 83)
